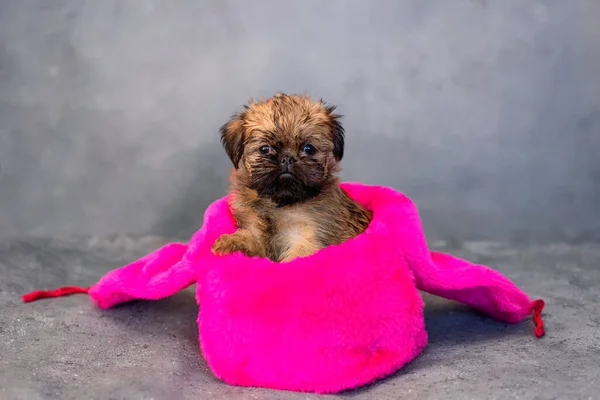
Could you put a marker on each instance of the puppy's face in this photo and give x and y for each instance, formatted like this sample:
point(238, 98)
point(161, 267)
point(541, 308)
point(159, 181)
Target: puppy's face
point(286, 148)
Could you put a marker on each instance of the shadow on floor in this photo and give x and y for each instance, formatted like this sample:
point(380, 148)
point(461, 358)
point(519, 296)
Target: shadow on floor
point(449, 324)
point(170, 321)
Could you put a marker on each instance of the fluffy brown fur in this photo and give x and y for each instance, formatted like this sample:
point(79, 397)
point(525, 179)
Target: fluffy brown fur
point(285, 191)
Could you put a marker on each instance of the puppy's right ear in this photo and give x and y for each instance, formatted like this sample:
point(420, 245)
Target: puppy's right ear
point(232, 138)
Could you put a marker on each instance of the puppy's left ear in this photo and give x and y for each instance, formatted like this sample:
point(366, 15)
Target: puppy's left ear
point(232, 138)
point(337, 132)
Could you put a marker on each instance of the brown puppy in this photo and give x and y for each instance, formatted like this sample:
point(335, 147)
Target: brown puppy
point(285, 194)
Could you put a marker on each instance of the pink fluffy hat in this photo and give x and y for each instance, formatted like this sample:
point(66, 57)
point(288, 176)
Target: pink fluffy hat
point(339, 319)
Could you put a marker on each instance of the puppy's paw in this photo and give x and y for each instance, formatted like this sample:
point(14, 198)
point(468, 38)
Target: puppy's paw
point(227, 244)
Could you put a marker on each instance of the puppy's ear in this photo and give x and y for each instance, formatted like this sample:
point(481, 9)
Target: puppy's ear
point(337, 132)
point(232, 138)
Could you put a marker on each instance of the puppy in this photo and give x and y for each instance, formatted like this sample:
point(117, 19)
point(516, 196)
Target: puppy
point(285, 194)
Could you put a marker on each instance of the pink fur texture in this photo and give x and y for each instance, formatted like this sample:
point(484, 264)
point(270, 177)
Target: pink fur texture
point(339, 319)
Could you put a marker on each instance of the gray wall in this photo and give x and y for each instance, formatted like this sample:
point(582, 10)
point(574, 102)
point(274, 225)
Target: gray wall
point(486, 112)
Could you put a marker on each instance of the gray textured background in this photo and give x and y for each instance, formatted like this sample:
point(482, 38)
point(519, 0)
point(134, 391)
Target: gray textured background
point(487, 113)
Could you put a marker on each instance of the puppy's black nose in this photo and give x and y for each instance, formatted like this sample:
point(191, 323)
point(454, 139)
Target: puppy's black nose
point(287, 163)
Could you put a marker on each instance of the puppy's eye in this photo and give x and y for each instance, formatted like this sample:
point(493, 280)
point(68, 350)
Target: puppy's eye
point(309, 149)
point(264, 149)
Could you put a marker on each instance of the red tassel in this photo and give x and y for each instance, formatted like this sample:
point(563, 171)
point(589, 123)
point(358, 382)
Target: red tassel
point(537, 307)
point(63, 291)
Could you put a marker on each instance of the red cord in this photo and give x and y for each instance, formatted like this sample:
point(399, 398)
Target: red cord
point(63, 291)
point(537, 307)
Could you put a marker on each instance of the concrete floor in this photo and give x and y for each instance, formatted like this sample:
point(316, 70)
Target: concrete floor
point(68, 349)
